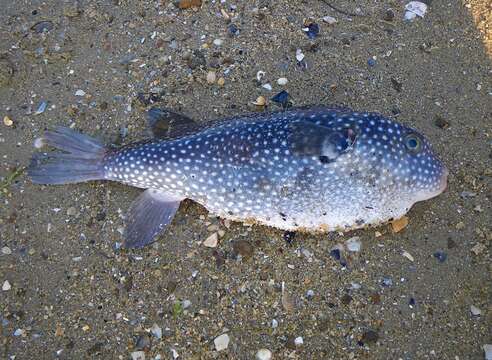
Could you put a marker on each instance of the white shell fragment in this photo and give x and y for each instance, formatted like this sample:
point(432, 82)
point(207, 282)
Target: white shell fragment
point(414, 9)
point(353, 244)
point(282, 81)
point(221, 342)
point(299, 55)
point(330, 20)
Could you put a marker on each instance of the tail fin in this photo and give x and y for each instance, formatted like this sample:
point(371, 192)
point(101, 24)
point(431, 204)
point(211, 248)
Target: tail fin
point(82, 159)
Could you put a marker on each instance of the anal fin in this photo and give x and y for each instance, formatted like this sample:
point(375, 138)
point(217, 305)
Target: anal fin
point(148, 216)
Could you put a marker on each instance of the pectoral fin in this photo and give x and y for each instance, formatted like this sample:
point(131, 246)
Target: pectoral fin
point(307, 138)
point(148, 216)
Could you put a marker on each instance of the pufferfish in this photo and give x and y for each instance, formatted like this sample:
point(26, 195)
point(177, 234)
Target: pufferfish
point(314, 169)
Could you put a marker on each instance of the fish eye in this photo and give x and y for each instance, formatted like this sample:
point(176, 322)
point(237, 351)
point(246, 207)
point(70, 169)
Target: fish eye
point(413, 143)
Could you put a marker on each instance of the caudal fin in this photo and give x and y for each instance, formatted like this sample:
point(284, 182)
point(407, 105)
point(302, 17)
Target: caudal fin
point(81, 159)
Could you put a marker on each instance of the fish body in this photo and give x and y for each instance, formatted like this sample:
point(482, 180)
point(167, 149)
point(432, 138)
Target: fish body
point(312, 169)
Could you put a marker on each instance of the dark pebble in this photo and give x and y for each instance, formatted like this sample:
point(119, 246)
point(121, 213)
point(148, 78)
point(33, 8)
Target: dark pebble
point(451, 243)
point(282, 98)
point(411, 302)
point(291, 344)
point(101, 216)
point(369, 336)
point(346, 299)
point(441, 256)
point(243, 248)
point(335, 253)
point(441, 122)
point(312, 30)
point(395, 110)
point(219, 258)
point(289, 237)
point(143, 342)
point(232, 29)
point(389, 15)
point(397, 85)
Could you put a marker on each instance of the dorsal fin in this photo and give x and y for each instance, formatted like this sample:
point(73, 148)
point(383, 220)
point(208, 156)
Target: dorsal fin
point(165, 124)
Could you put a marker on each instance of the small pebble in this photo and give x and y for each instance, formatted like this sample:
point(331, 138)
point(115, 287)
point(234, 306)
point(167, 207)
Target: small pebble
point(371, 62)
point(299, 55)
point(281, 98)
point(335, 253)
point(186, 304)
point(7, 121)
point(309, 294)
point(299, 341)
point(156, 331)
point(389, 15)
point(218, 42)
point(475, 311)
point(19, 332)
point(274, 324)
point(267, 87)
point(477, 249)
point(221, 81)
point(355, 285)
point(399, 224)
point(143, 342)
point(263, 354)
point(211, 77)
point(80, 92)
point(387, 281)
point(6, 250)
point(353, 244)
point(6, 286)
point(233, 29)
point(346, 299)
point(441, 256)
point(211, 241)
point(138, 355)
point(441, 122)
point(221, 342)
point(330, 20)
point(312, 30)
point(41, 108)
point(282, 81)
